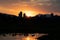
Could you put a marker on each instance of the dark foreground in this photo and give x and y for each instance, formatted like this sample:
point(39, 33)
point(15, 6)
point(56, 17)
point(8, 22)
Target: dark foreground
point(38, 24)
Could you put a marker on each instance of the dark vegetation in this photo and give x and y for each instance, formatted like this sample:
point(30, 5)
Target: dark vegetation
point(48, 23)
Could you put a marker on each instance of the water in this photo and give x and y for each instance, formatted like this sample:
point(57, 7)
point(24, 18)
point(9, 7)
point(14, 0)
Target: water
point(21, 36)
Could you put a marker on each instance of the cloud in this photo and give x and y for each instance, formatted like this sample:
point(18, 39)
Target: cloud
point(45, 5)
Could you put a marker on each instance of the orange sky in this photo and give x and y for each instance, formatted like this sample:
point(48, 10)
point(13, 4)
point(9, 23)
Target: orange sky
point(25, 9)
point(33, 6)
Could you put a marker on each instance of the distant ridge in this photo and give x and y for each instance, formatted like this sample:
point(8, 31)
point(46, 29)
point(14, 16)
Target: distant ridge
point(6, 14)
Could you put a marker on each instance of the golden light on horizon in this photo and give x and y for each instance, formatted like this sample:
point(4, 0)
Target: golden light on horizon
point(39, 6)
point(29, 10)
point(29, 13)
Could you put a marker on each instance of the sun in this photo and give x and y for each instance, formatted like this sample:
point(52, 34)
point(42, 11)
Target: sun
point(29, 13)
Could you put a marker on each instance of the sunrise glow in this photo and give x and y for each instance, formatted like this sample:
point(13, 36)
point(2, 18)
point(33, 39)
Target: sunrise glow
point(38, 6)
point(29, 13)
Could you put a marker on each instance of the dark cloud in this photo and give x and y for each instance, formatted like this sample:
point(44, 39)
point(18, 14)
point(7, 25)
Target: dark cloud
point(55, 7)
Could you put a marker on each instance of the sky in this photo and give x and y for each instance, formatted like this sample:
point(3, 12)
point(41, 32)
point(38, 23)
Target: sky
point(32, 7)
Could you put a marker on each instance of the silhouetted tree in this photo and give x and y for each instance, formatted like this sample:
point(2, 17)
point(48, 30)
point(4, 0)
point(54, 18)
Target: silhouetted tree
point(24, 15)
point(20, 14)
point(52, 14)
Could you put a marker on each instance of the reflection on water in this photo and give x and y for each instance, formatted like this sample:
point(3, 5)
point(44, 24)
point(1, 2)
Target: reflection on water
point(21, 36)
